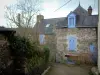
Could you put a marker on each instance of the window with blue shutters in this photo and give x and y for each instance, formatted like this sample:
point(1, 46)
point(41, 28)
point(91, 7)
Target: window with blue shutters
point(71, 20)
point(42, 38)
point(72, 43)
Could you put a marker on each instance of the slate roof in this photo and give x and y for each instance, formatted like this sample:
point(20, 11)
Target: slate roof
point(88, 21)
point(82, 20)
point(40, 27)
point(80, 11)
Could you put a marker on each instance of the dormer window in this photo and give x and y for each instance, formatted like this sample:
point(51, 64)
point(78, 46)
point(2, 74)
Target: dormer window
point(71, 20)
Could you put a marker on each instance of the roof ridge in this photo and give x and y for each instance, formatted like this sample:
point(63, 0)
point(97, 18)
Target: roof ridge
point(55, 18)
point(80, 7)
point(80, 11)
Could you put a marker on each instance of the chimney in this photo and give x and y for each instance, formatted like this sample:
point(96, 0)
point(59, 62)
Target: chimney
point(39, 18)
point(89, 10)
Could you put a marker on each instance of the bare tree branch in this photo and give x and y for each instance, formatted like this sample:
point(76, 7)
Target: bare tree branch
point(22, 13)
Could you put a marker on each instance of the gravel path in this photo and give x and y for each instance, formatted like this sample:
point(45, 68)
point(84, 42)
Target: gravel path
point(62, 69)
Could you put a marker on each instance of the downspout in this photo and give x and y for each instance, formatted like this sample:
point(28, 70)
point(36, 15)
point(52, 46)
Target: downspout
point(99, 36)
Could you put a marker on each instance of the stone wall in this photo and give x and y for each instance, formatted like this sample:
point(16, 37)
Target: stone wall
point(50, 41)
point(27, 32)
point(85, 36)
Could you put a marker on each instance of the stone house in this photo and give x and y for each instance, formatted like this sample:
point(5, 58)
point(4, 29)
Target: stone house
point(74, 35)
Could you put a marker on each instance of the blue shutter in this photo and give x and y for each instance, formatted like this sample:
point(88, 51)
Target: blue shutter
point(41, 38)
point(92, 48)
point(72, 43)
point(71, 22)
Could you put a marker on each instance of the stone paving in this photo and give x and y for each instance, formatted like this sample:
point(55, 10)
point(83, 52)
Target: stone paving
point(62, 69)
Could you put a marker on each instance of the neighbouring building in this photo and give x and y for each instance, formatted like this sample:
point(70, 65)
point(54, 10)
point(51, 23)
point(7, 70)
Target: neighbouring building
point(74, 35)
point(6, 61)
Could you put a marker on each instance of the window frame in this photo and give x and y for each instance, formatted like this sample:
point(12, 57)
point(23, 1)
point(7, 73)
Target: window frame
point(71, 16)
point(69, 43)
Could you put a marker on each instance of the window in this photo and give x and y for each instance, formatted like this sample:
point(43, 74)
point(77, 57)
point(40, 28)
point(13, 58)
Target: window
point(42, 38)
point(47, 25)
point(72, 43)
point(71, 20)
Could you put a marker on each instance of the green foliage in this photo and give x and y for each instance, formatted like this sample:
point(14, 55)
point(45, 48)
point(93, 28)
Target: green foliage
point(78, 62)
point(40, 57)
point(46, 53)
point(20, 46)
point(90, 73)
point(34, 62)
point(36, 55)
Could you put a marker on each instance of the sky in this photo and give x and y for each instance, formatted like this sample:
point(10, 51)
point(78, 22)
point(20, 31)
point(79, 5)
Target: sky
point(49, 6)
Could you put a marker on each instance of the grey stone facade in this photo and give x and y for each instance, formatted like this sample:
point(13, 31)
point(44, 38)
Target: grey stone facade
point(83, 28)
point(85, 37)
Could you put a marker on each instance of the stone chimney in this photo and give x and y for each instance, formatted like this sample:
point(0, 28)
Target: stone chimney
point(89, 10)
point(39, 18)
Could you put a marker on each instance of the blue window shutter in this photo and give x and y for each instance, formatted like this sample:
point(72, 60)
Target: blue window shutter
point(42, 38)
point(92, 48)
point(72, 43)
point(71, 22)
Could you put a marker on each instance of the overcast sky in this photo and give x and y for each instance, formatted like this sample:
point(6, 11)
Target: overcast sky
point(49, 6)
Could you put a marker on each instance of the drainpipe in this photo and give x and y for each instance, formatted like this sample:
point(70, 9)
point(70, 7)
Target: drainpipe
point(99, 36)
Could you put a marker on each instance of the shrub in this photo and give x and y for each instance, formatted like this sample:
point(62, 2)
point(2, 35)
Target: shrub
point(41, 58)
point(19, 46)
point(46, 54)
point(36, 55)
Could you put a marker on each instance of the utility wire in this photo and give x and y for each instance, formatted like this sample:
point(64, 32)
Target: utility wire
point(94, 4)
point(62, 6)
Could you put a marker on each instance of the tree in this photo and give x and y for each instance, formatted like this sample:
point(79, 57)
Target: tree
point(22, 13)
